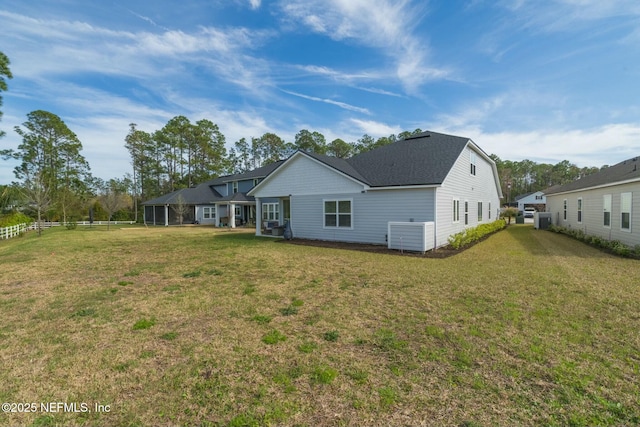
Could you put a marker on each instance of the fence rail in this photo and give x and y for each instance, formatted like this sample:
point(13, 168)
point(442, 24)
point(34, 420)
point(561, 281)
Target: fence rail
point(16, 230)
point(13, 231)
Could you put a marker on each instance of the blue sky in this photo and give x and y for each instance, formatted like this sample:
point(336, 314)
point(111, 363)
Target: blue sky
point(544, 80)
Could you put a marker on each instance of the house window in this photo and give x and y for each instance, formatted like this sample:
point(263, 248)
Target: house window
point(270, 212)
point(256, 181)
point(456, 210)
point(606, 202)
point(580, 210)
point(238, 210)
point(209, 212)
point(466, 213)
point(479, 211)
point(472, 162)
point(625, 211)
point(235, 187)
point(337, 213)
point(564, 208)
point(489, 210)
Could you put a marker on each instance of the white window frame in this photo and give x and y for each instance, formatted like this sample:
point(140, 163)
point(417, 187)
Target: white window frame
point(472, 162)
point(489, 210)
point(271, 211)
point(337, 214)
point(606, 208)
point(480, 218)
point(456, 210)
point(209, 212)
point(466, 212)
point(235, 186)
point(256, 181)
point(626, 203)
point(238, 210)
point(580, 206)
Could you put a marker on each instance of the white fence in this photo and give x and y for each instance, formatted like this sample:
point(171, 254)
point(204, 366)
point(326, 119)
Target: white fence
point(13, 231)
point(16, 230)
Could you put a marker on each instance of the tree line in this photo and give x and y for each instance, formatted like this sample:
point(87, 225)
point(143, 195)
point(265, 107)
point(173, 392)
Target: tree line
point(55, 180)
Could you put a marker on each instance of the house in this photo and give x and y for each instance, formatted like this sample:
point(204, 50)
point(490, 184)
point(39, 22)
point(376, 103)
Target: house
point(535, 200)
point(427, 178)
point(605, 204)
point(220, 201)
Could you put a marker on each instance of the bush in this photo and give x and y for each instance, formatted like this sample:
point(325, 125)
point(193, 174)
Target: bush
point(14, 218)
point(472, 235)
point(613, 246)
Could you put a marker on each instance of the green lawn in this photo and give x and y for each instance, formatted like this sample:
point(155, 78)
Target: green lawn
point(195, 326)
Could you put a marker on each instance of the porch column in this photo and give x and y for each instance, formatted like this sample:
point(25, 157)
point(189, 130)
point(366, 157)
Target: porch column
point(166, 215)
point(258, 217)
point(232, 215)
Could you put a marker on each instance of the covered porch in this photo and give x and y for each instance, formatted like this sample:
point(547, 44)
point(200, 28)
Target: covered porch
point(273, 214)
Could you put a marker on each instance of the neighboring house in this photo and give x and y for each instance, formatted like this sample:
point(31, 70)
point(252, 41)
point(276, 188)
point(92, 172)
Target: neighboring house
point(532, 200)
point(604, 204)
point(429, 177)
point(221, 201)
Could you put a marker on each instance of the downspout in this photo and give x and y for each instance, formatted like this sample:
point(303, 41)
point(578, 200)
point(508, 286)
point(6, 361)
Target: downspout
point(435, 218)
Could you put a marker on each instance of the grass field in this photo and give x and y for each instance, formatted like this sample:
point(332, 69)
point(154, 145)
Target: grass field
point(195, 326)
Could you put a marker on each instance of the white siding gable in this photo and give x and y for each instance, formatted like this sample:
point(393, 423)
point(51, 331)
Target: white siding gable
point(460, 184)
point(302, 175)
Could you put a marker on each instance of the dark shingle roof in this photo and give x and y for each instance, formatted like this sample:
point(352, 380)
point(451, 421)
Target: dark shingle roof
point(425, 158)
point(204, 193)
point(421, 159)
point(623, 171)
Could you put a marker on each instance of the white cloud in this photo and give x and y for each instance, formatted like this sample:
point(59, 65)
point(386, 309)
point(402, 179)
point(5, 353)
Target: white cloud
point(385, 25)
point(330, 101)
point(609, 144)
point(374, 128)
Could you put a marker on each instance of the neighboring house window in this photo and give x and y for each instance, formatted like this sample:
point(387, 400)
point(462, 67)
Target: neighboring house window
point(235, 187)
point(238, 210)
point(456, 210)
point(270, 212)
point(565, 209)
point(209, 212)
point(580, 210)
point(472, 162)
point(256, 181)
point(479, 211)
point(538, 197)
point(607, 210)
point(625, 211)
point(337, 213)
point(466, 213)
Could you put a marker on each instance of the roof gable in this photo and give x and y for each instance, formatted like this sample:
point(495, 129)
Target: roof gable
point(422, 159)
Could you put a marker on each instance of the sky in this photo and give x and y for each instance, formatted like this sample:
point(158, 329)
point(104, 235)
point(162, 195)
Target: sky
point(541, 80)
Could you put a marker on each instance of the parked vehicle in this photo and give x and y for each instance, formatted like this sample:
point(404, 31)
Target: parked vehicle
point(528, 212)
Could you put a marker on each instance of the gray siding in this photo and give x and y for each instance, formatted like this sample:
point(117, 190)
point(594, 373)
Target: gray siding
point(593, 212)
point(302, 175)
point(371, 212)
point(462, 185)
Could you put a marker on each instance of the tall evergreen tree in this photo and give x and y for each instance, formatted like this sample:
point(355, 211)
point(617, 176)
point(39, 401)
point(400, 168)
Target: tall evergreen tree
point(51, 152)
point(5, 73)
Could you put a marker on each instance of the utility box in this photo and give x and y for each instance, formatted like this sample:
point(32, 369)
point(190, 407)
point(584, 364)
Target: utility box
point(542, 220)
point(411, 236)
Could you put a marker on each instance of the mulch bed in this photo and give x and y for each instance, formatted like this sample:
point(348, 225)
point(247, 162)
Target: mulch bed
point(443, 252)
